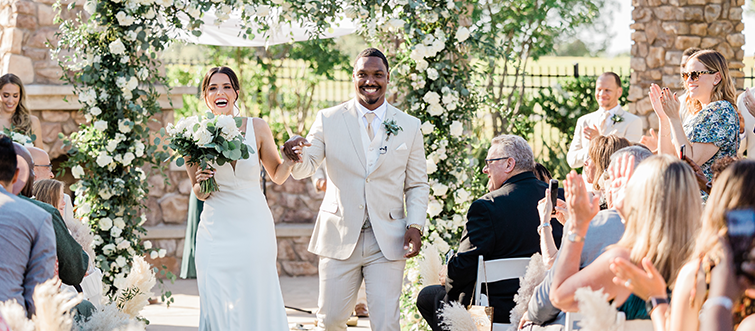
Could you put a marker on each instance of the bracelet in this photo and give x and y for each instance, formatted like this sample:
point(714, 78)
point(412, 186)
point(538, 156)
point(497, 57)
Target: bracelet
point(718, 301)
point(415, 226)
point(574, 237)
point(543, 226)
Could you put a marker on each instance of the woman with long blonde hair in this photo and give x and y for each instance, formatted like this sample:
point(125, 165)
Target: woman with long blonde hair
point(50, 191)
point(711, 131)
point(13, 112)
point(733, 190)
point(661, 207)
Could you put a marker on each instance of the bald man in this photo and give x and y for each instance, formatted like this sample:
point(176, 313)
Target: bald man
point(72, 260)
point(42, 165)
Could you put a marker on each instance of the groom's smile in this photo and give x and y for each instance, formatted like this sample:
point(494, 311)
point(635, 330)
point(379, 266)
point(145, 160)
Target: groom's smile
point(370, 80)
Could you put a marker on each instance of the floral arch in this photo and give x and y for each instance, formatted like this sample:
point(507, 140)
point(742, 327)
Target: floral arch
point(110, 56)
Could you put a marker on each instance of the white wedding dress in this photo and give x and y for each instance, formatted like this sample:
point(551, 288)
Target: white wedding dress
point(236, 252)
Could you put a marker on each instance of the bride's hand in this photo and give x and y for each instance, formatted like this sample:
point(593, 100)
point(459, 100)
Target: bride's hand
point(204, 175)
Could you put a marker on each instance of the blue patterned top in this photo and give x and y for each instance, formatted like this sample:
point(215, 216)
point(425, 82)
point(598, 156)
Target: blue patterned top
point(718, 124)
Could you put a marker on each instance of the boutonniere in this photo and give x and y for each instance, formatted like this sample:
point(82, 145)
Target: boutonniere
point(616, 118)
point(391, 128)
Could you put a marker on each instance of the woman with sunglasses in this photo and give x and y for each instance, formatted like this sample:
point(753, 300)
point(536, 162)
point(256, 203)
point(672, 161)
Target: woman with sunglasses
point(711, 132)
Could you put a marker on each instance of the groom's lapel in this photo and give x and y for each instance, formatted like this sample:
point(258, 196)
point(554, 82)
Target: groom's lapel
point(351, 117)
point(387, 146)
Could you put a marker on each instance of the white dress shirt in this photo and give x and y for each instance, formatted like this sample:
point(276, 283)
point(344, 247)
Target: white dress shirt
point(630, 128)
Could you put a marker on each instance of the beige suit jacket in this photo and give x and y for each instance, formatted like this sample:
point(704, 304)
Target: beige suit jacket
point(630, 128)
point(395, 193)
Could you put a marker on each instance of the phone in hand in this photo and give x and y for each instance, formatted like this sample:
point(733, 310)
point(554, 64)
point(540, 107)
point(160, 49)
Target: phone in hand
point(682, 152)
point(554, 194)
point(741, 223)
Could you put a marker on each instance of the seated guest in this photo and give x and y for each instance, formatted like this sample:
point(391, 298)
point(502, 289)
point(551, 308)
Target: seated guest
point(72, 260)
point(661, 210)
point(42, 164)
point(50, 191)
point(732, 191)
point(501, 224)
point(600, 151)
point(712, 130)
point(609, 119)
point(606, 228)
point(27, 238)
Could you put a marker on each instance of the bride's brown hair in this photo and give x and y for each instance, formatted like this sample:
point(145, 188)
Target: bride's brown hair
point(220, 70)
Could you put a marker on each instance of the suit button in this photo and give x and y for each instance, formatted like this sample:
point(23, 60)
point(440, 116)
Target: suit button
point(368, 180)
point(361, 206)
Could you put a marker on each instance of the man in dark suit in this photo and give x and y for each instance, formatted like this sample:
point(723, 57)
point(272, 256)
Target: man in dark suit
point(501, 224)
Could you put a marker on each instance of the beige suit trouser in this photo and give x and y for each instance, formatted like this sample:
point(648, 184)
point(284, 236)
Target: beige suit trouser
point(340, 281)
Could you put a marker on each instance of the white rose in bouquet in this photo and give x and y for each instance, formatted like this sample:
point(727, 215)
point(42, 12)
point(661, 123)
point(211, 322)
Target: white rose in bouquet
point(100, 125)
point(77, 171)
point(202, 136)
point(103, 159)
point(108, 249)
point(117, 47)
point(434, 208)
point(427, 128)
point(431, 98)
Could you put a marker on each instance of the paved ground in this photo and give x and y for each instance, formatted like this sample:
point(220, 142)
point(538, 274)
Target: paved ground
point(183, 314)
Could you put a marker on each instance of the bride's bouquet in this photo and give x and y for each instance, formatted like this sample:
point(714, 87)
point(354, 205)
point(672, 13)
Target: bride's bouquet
point(206, 140)
point(20, 137)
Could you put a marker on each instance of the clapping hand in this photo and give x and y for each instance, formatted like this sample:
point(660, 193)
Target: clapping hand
point(650, 141)
point(591, 132)
point(620, 172)
point(749, 102)
point(581, 206)
point(646, 284)
point(292, 149)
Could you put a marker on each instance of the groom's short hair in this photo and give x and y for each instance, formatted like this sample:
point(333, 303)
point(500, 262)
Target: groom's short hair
point(373, 52)
point(516, 148)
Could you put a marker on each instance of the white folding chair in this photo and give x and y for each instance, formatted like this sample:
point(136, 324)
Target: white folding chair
point(497, 270)
point(573, 319)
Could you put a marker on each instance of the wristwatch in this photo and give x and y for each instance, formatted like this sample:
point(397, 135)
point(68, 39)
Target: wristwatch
point(541, 227)
point(653, 302)
point(574, 237)
point(416, 226)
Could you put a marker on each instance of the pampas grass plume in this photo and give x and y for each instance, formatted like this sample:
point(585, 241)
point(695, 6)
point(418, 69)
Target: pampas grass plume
point(141, 278)
point(532, 278)
point(53, 306)
point(430, 265)
point(598, 314)
point(15, 316)
point(107, 318)
point(455, 317)
point(83, 236)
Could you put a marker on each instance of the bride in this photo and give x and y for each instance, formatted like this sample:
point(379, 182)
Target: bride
point(236, 248)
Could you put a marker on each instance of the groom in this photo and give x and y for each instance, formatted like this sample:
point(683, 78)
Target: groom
point(372, 217)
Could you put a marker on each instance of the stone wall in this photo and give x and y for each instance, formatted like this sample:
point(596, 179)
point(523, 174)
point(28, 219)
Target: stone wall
point(26, 28)
point(663, 29)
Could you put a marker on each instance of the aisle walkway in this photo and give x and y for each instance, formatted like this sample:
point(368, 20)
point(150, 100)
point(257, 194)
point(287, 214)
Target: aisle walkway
point(183, 314)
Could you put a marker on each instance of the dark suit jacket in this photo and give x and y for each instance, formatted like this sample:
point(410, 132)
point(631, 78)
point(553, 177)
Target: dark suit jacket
point(501, 224)
point(72, 260)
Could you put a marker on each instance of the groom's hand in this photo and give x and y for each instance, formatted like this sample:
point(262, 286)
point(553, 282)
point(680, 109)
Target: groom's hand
point(293, 147)
point(412, 242)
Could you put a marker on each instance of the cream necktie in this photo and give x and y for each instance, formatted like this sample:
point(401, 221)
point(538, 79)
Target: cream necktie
point(604, 122)
point(370, 116)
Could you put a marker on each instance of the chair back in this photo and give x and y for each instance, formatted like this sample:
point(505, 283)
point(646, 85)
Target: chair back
point(573, 323)
point(497, 270)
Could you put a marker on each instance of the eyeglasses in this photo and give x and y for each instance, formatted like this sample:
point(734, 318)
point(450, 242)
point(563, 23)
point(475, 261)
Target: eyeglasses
point(696, 74)
point(489, 161)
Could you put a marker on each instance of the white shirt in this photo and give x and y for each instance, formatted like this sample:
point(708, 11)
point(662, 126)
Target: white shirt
point(379, 115)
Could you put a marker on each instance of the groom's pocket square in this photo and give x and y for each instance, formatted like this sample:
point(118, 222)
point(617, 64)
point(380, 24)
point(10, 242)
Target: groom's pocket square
point(402, 147)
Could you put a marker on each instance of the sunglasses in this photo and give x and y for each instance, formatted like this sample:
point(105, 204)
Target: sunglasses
point(696, 74)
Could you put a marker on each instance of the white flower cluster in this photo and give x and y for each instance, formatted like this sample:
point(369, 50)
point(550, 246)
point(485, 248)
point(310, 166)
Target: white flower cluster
point(21, 139)
point(436, 156)
point(127, 85)
point(418, 82)
point(193, 128)
point(429, 47)
point(88, 97)
point(434, 108)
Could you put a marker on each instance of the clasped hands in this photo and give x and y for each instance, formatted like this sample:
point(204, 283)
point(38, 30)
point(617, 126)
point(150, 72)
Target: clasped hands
point(294, 147)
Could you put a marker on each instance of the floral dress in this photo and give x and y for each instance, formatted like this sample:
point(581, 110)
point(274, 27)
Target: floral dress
point(718, 124)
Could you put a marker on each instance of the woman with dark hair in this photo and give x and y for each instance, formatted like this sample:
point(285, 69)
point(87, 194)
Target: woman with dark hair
point(711, 130)
point(236, 248)
point(13, 112)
